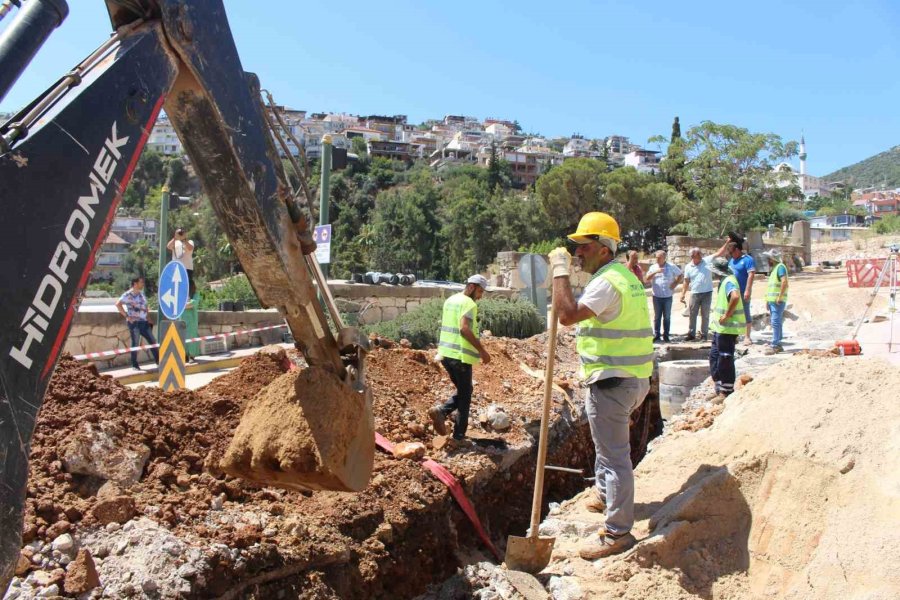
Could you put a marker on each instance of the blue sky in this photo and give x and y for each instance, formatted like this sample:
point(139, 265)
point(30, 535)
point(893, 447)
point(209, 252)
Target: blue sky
point(825, 68)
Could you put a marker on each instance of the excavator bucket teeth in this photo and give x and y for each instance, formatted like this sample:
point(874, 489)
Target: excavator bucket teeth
point(307, 430)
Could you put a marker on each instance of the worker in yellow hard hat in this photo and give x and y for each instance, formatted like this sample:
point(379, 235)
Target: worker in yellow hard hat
point(614, 341)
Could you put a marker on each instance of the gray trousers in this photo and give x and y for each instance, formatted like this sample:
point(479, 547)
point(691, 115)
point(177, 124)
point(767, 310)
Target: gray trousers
point(699, 303)
point(609, 410)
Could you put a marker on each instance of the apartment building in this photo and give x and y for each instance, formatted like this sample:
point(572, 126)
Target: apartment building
point(111, 258)
point(645, 161)
point(163, 139)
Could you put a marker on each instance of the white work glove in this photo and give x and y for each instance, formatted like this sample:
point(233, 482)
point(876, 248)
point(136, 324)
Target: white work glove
point(560, 261)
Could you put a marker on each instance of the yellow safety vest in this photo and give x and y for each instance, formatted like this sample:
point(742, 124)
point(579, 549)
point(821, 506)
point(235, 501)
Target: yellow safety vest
point(774, 287)
point(624, 344)
point(452, 343)
point(736, 323)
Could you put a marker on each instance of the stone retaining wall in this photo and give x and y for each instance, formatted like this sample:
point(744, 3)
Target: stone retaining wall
point(99, 331)
point(365, 304)
point(679, 248)
point(362, 304)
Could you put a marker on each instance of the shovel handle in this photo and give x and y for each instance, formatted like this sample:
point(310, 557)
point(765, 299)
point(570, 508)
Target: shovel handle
point(545, 424)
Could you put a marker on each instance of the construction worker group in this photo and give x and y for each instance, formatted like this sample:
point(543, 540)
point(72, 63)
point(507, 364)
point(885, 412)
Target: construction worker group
point(615, 343)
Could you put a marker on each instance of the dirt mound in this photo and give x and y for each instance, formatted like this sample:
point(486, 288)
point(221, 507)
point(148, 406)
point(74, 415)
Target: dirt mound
point(306, 430)
point(792, 493)
point(390, 540)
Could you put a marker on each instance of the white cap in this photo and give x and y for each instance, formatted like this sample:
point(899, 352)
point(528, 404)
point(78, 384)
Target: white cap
point(774, 254)
point(478, 280)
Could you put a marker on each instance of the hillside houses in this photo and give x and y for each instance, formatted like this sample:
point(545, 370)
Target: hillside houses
point(452, 140)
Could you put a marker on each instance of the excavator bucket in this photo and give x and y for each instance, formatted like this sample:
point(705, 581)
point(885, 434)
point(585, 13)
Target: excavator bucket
point(306, 430)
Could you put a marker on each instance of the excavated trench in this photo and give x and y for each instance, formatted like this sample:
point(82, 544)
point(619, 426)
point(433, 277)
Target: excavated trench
point(402, 534)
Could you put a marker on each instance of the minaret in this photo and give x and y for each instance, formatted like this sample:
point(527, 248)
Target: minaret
point(802, 155)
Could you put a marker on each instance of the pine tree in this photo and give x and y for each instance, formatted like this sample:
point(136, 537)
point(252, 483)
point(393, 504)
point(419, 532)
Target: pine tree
point(676, 130)
point(494, 177)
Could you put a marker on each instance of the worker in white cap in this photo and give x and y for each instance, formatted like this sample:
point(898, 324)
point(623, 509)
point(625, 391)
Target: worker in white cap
point(460, 348)
point(776, 297)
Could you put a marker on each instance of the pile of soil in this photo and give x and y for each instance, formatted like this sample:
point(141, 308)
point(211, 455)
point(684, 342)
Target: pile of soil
point(390, 540)
point(792, 493)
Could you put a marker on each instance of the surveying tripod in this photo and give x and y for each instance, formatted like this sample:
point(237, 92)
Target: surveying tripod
point(890, 268)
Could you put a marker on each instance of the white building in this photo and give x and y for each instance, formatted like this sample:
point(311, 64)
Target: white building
point(163, 138)
point(810, 186)
point(498, 130)
point(577, 146)
point(645, 161)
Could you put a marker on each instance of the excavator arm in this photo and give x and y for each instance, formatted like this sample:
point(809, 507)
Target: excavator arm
point(65, 161)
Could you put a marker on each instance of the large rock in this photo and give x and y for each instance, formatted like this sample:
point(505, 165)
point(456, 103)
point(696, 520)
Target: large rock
point(81, 575)
point(114, 509)
point(410, 450)
point(101, 451)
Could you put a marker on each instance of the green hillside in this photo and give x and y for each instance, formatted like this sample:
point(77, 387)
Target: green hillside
point(881, 170)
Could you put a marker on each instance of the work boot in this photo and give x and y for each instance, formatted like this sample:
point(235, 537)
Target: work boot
point(606, 545)
point(594, 503)
point(457, 443)
point(690, 337)
point(438, 419)
point(779, 349)
point(769, 350)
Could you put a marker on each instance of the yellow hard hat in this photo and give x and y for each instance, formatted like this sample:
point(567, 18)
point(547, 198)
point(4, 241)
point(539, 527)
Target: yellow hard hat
point(596, 223)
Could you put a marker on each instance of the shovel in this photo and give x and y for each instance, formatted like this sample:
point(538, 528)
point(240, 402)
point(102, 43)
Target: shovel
point(532, 554)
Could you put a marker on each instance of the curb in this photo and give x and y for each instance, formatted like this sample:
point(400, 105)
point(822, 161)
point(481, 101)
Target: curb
point(213, 365)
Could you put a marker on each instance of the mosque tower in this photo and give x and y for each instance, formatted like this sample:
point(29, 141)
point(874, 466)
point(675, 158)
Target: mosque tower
point(802, 155)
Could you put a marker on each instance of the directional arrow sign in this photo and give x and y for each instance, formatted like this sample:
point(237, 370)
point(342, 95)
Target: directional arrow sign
point(173, 290)
point(171, 358)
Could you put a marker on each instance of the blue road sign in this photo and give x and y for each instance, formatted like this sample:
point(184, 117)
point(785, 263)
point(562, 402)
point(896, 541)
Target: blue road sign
point(173, 290)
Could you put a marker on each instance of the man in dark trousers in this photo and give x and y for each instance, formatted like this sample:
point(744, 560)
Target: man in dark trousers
point(133, 306)
point(459, 349)
point(727, 323)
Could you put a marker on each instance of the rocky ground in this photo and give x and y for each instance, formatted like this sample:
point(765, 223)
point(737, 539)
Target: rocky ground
point(125, 498)
point(753, 503)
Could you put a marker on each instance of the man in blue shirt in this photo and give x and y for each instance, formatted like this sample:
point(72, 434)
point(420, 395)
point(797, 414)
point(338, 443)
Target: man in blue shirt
point(698, 277)
point(664, 277)
point(744, 269)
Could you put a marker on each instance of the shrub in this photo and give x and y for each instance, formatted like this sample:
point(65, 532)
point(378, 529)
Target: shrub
point(506, 318)
point(889, 224)
point(238, 289)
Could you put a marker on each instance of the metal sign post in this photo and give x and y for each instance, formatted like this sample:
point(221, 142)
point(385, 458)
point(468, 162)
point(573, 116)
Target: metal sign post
point(533, 271)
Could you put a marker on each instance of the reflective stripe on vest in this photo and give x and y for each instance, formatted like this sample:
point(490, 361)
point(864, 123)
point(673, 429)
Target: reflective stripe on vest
point(452, 344)
point(774, 287)
point(736, 323)
point(625, 343)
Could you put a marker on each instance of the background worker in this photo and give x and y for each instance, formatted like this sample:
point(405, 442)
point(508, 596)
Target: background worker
point(744, 269)
point(460, 348)
point(614, 343)
point(727, 324)
point(698, 277)
point(776, 297)
point(664, 277)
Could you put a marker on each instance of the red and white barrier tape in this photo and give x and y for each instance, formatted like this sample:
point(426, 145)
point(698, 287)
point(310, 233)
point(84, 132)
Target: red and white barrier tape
point(118, 351)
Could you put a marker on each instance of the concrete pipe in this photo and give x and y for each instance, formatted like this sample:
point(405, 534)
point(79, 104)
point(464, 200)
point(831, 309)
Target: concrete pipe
point(685, 373)
point(671, 399)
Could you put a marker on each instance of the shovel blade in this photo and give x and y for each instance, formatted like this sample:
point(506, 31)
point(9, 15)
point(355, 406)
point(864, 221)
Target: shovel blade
point(529, 554)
